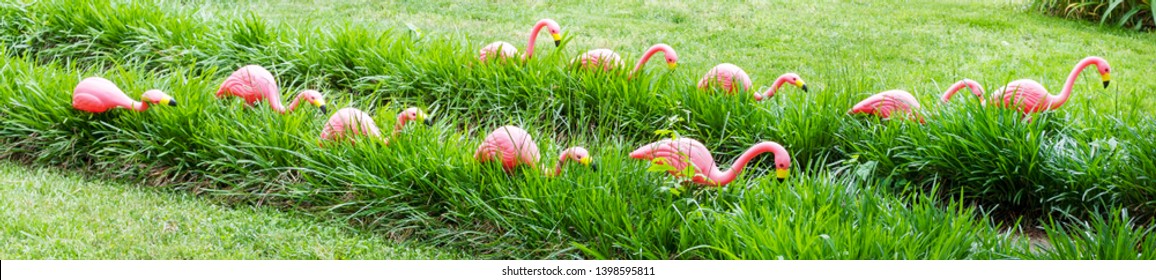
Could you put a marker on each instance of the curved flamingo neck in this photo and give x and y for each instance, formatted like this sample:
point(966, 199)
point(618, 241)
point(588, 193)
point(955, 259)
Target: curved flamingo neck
point(292, 105)
point(1057, 101)
point(972, 85)
point(533, 38)
point(401, 120)
point(646, 56)
point(139, 106)
point(775, 87)
point(725, 177)
point(558, 166)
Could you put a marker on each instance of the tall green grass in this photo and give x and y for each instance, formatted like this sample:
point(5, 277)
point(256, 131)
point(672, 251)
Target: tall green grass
point(425, 185)
point(1135, 14)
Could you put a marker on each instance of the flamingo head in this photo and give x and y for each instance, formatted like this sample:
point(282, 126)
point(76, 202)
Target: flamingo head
point(1102, 67)
point(580, 155)
point(554, 29)
point(158, 97)
point(413, 114)
point(668, 52)
point(782, 161)
point(314, 97)
point(794, 79)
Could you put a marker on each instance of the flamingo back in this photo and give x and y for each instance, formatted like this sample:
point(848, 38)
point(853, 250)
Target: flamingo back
point(725, 75)
point(678, 154)
point(96, 95)
point(252, 83)
point(349, 120)
point(1025, 95)
point(604, 58)
point(886, 103)
point(498, 50)
point(512, 144)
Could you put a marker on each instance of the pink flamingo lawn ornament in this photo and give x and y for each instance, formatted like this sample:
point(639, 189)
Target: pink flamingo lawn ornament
point(960, 85)
point(725, 75)
point(608, 59)
point(680, 152)
point(96, 95)
point(253, 83)
point(887, 103)
point(1028, 96)
point(356, 122)
point(513, 146)
point(504, 50)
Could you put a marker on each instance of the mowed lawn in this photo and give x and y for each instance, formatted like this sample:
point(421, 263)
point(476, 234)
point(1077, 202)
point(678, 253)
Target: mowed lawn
point(919, 46)
point(53, 215)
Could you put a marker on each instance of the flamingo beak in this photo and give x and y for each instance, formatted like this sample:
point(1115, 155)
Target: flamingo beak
point(781, 174)
point(671, 65)
point(321, 105)
point(169, 101)
point(801, 85)
point(557, 39)
point(1106, 77)
point(425, 119)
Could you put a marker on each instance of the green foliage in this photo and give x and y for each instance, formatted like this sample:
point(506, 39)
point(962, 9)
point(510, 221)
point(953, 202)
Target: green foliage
point(1135, 14)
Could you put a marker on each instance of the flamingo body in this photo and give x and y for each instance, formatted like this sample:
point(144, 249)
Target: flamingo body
point(1029, 96)
point(681, 153)
point(351, 120)
point(600, 58)
point(886, 104)
point(254, 83)
point(725, 75)
point(1026, 95)
point(497, 50)
point(513, 146)
point(97, 95)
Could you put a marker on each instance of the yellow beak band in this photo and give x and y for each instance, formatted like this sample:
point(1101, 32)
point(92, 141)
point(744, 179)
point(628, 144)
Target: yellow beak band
point(165, 100)
point(318, 103)
point(800, 83)
point(585, 161)
point(781, 173)
point(557, 37)
point(672, 65)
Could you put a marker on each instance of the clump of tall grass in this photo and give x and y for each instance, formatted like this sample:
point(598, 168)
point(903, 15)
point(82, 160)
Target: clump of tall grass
point(1135, 14)
point(426, 185)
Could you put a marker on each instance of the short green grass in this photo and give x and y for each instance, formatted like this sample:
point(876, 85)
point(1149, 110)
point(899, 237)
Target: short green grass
point(50, 214)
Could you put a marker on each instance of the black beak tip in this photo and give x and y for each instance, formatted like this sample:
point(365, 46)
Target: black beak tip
point(173, 103)
point(323, 110)
point(805, 88)
point(428, 122)
point(594, 166)
point(1106, 84)
point(557, 43)
point(781, 179)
